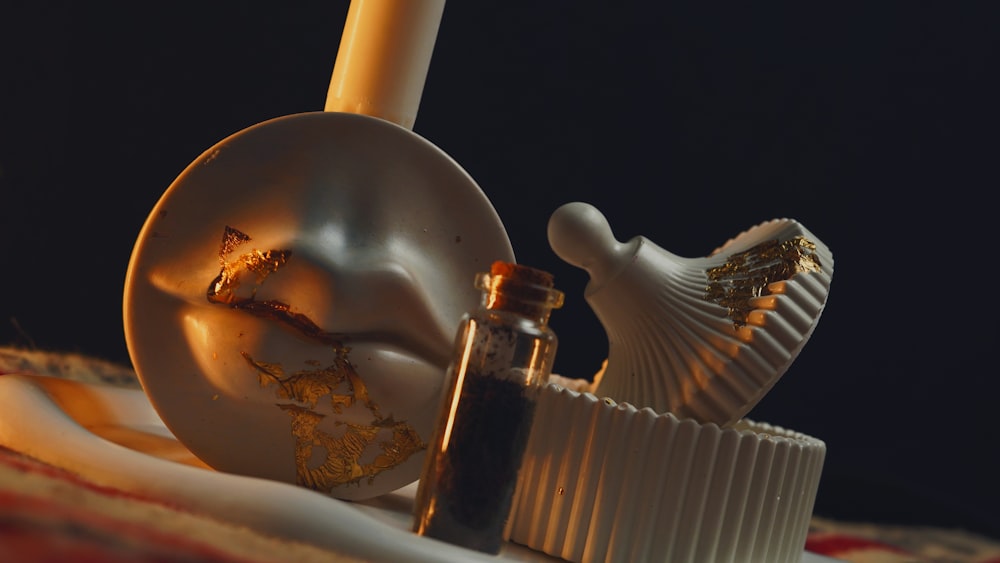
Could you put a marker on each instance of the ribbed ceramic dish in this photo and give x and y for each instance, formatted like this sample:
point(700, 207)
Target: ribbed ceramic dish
point(604, 482)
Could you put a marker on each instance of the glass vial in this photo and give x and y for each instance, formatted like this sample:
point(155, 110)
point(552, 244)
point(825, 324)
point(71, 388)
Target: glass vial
point(504, 352)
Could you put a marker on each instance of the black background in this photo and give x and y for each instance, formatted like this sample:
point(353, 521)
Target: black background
point(871, 125)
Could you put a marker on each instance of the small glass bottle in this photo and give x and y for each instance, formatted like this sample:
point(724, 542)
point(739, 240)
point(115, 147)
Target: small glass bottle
point(504, 352)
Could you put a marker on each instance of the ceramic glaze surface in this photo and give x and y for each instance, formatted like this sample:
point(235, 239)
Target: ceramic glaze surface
point(291, 300)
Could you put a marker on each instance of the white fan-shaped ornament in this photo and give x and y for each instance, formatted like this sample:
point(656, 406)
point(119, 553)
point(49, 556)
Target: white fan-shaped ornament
point(702, 338)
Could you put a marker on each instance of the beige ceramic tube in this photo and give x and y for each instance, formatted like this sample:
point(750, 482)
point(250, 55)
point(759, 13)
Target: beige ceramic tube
point(383, 58)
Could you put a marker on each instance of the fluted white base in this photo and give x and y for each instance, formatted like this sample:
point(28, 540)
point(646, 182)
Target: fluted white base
point(604, 481)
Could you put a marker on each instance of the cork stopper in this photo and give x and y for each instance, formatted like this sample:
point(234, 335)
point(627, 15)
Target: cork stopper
point(520, 289)
point(522, 274)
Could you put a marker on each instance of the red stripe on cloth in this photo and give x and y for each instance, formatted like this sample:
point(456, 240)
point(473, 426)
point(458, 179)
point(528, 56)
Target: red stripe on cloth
point(27, 464)
point(45, 530)
point(838, 544)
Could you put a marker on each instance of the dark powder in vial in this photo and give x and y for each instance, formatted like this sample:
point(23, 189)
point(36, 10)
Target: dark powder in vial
point(479, 470)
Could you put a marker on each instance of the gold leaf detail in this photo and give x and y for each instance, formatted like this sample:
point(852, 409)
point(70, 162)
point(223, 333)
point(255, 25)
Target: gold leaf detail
point(342, 456)
point(746, 275)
